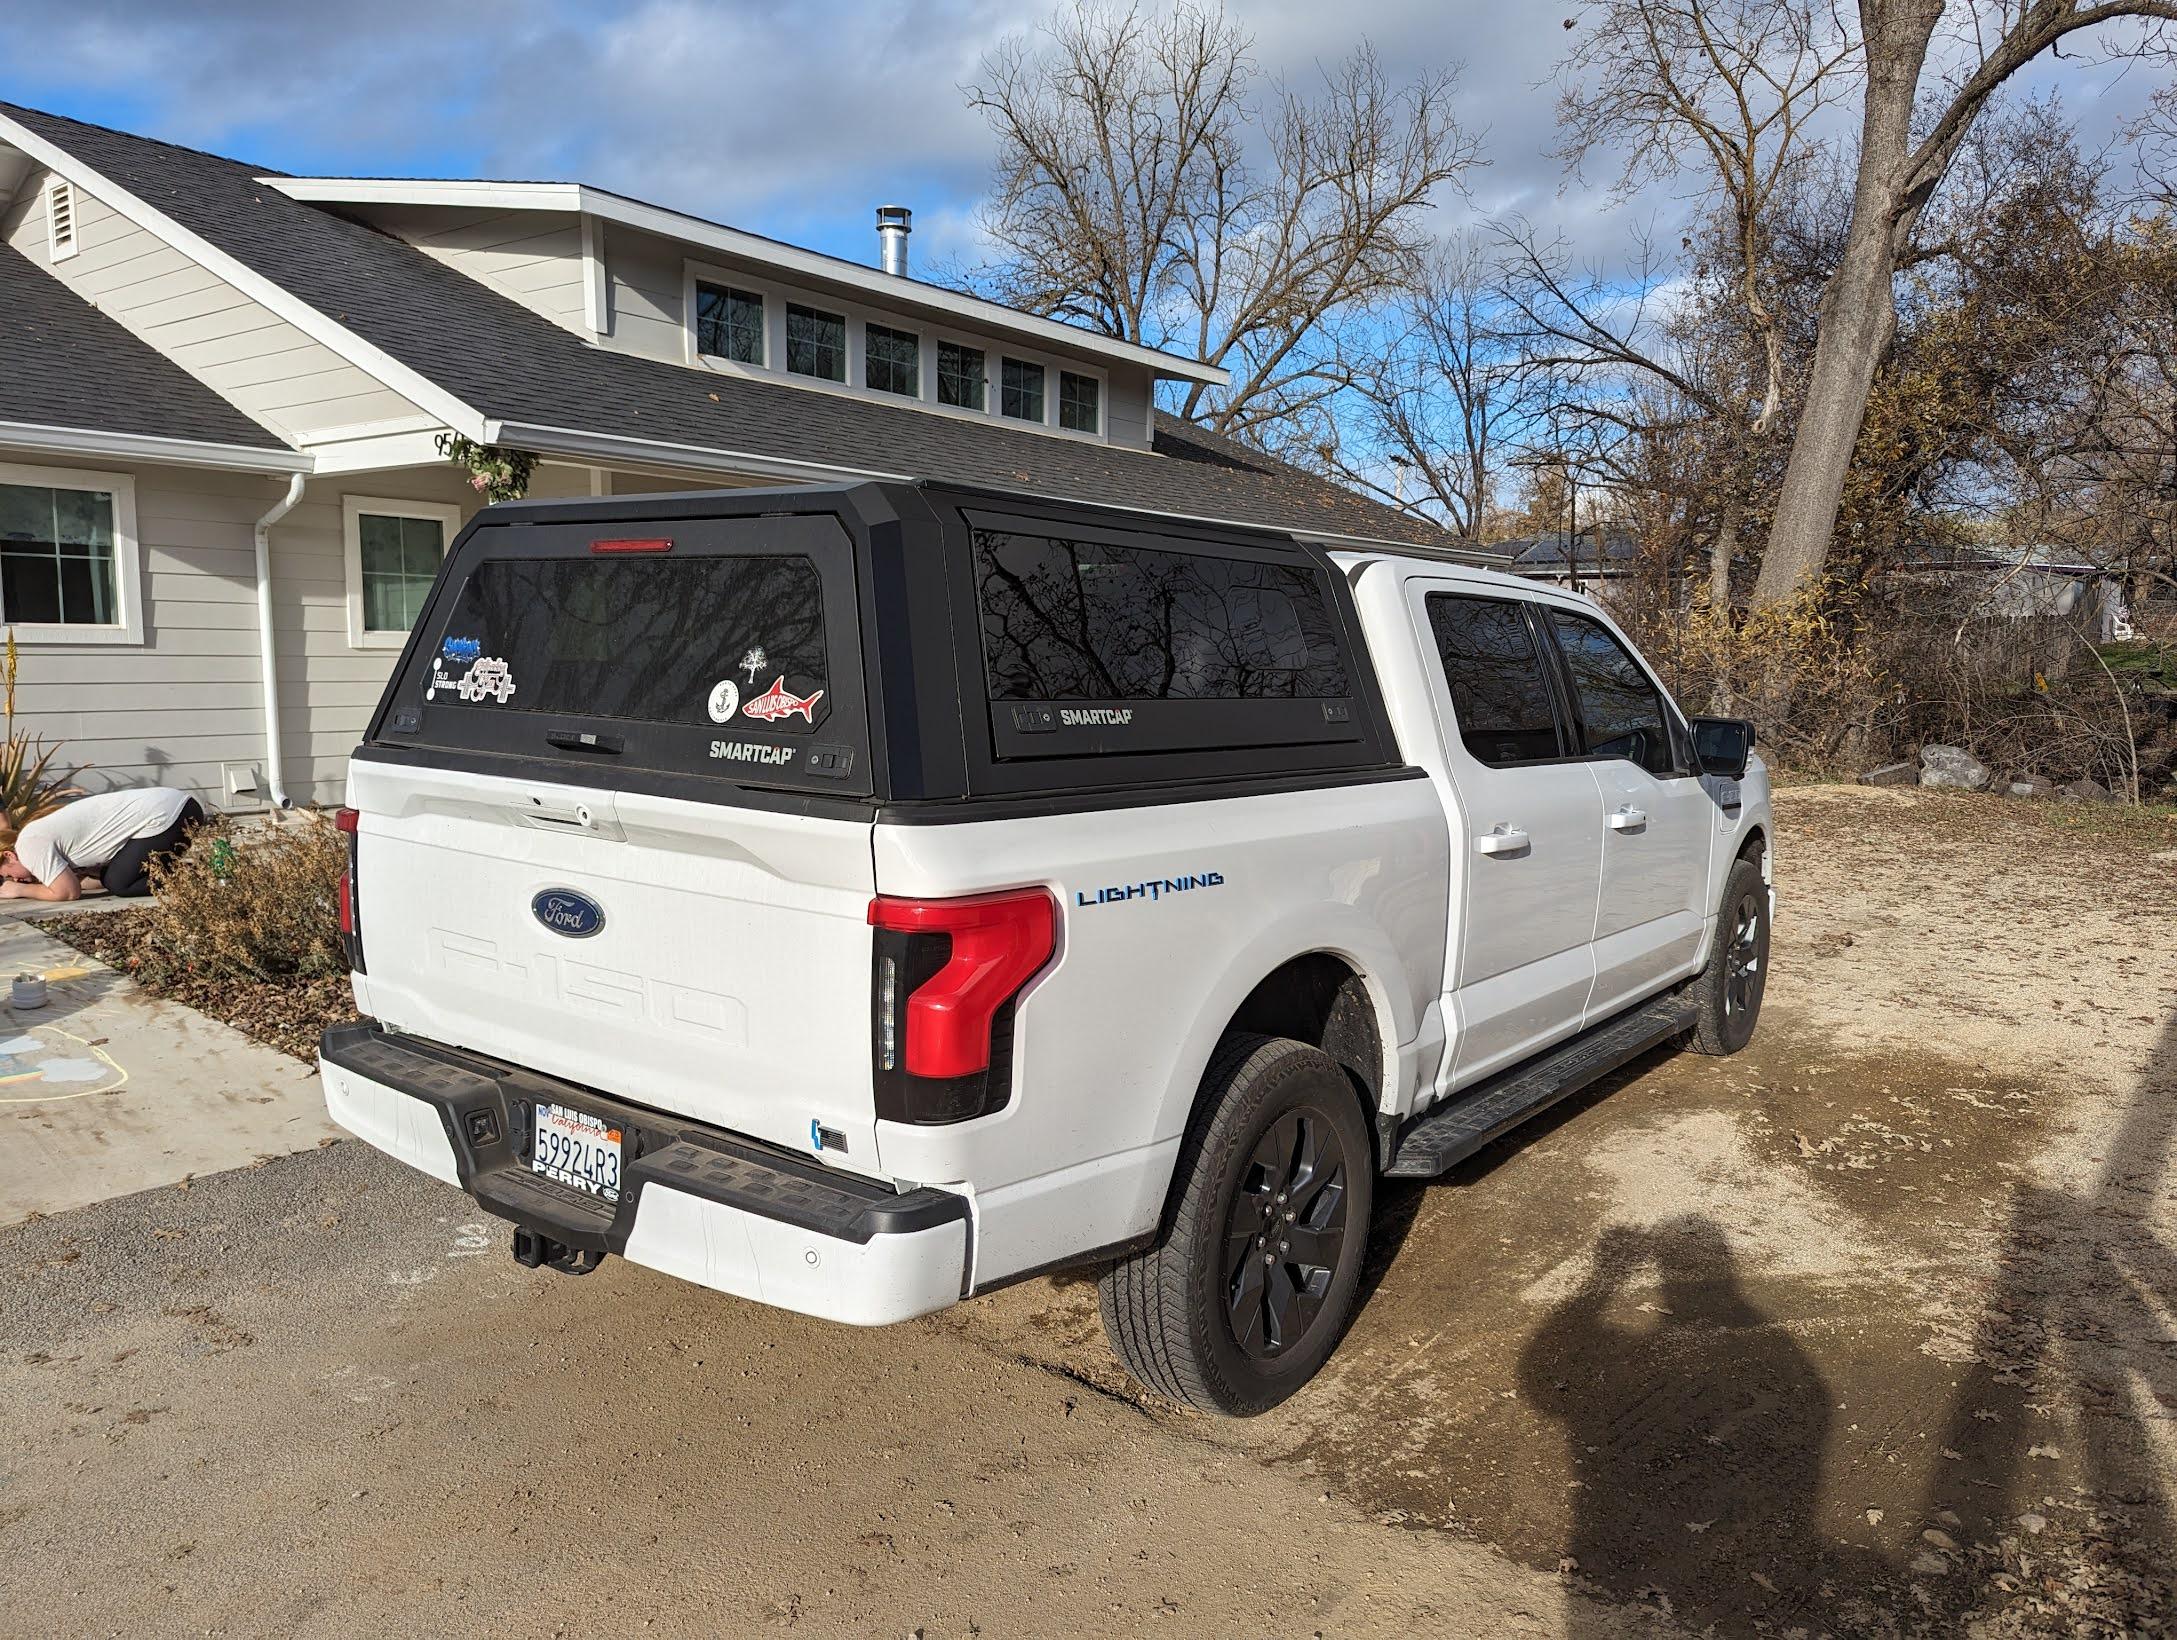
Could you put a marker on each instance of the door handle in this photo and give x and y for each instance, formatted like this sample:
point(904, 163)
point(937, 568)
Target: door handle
point(1503, 840)
point(1629, 819)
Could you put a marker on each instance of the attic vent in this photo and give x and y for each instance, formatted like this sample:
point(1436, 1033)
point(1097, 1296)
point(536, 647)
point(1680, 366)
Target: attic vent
point(60, 219)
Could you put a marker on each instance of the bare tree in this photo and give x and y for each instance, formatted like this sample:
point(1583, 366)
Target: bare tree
point(1734, 84)
point(1440, 397)
point(1908, 140)
point(1151, 185)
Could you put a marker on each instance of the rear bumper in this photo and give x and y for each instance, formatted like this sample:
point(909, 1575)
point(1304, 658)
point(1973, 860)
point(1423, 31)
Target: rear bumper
point(698, 1203)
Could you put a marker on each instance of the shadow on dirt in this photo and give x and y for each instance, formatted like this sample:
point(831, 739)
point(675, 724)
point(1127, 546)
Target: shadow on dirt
point(1743, 1475)
point(1698, 1428)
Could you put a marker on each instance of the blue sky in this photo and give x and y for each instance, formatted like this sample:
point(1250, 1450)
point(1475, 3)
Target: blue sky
point(792, 119)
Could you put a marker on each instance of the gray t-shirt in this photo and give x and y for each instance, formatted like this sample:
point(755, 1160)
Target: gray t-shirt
point(89, 832)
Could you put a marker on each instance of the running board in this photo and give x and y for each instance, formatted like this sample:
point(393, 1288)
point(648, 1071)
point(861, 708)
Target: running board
point(1442, 1138)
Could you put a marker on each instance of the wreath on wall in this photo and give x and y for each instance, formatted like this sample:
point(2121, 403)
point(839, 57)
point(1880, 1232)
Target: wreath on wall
point(496, 473)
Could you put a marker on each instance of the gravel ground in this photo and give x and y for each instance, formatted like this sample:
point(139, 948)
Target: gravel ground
point(1865, 1331)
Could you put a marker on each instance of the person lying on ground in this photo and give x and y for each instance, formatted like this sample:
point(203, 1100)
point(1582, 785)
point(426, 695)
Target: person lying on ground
point(115, 837)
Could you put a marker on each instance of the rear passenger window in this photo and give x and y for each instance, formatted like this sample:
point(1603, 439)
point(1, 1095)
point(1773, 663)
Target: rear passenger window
point(1620, 712)
point(1500, 694)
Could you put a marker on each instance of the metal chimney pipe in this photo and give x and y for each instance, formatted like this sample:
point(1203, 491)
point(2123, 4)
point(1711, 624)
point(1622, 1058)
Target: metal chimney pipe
point(894, 224)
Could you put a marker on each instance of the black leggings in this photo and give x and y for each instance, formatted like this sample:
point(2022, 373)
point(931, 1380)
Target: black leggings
point(127, 873)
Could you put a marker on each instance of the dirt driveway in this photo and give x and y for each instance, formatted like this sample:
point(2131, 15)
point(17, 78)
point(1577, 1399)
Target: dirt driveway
point(1866, 1328)
point(1861, 1332)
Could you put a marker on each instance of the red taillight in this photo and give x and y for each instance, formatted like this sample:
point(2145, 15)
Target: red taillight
point(648, 543)
point(998, 943)
point(349, 824)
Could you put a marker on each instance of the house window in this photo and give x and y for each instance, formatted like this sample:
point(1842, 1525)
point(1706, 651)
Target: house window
point(393, 549)
point(960, 378)
point(1021, 391)
point(68, 563)
point(729, 324)
point(816, 343)
point(1078, 402)
point(892, 360)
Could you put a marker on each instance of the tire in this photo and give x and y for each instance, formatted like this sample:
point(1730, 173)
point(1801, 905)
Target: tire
point(1731, 986)
point(1196, 1317)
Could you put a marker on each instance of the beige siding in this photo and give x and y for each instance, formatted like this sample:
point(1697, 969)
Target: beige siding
point(235, 345)
point(534, 257)
point(644, 274)
point(1126, 417)
point(187, 702)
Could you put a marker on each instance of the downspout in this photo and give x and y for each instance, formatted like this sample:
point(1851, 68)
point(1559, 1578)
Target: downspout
point(273, 783)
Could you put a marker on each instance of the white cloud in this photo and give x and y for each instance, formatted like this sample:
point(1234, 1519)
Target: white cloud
point(792, 119)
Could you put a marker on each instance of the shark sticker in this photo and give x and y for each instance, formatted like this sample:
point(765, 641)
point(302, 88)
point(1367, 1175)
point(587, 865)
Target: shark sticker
point(778, 702)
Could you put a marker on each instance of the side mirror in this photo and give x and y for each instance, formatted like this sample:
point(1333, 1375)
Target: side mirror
point(1721, 746)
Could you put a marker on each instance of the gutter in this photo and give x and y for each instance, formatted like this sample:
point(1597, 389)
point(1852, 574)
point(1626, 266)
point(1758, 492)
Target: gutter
point(275, 785)
point(181, 452)
point(607, 447)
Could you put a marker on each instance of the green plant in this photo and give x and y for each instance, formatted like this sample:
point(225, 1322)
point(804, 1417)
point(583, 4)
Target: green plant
point(258, 902)
point(495, 472)
point(27, 790)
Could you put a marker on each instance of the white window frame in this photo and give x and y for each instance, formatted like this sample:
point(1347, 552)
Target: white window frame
point(61, 246)
point(1058, 392)
point(745, 287)
point(859, 316)
point(128, 564)
point(352, 509)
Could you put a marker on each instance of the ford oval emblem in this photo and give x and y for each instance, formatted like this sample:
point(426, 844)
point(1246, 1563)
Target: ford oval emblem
point(563, 911)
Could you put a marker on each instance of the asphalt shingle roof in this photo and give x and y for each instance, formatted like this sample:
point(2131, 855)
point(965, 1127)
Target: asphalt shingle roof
point(65, 364)
point(513, 365)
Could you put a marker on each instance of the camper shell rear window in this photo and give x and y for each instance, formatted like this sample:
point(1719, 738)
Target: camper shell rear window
point(722, 647)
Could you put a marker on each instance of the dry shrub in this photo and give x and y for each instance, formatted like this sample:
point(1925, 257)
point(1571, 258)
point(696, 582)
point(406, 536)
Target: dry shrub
point(1845, 677)
point(249, 903)
point(1803, 671)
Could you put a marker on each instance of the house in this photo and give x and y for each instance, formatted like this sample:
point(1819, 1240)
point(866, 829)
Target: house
point(1586, 560)
point(223, 390)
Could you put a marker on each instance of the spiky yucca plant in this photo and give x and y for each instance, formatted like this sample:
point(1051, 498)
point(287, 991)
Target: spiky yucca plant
point(26, 789)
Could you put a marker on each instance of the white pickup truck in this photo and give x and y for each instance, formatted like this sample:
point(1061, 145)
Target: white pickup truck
point(858, 898)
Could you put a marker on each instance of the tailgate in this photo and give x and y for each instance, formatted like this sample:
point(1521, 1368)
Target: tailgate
point(611, 824)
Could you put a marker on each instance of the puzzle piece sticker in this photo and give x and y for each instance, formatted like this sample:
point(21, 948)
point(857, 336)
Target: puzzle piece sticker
point(489, 679)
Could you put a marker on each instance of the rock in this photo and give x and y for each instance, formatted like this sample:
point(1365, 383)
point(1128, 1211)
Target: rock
point(2030, 785)
point(1891, 774)
point(2034, 1525)
point(2087, 790)
point(1952, 766)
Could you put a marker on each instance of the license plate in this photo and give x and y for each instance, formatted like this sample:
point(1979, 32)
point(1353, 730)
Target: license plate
point(577, 1149)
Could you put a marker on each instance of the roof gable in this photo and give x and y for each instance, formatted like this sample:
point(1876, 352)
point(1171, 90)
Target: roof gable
point(65, 365)
point(495, 368)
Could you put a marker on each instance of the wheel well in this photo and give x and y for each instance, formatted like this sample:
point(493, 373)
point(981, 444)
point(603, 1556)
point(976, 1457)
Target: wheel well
point(1755, 846)
point(1319, 1000)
